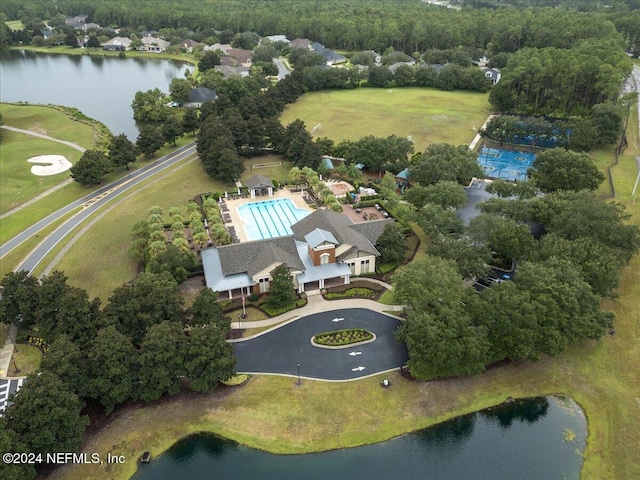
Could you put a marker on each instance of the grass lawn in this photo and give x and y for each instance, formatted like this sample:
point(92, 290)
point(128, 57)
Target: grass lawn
point(48, 121)
point(17, 183)
point(14, 25)
point(428, 115)
point(280, 172)
point(27, 358)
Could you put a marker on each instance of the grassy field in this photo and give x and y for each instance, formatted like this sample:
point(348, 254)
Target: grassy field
point(27, 358)
point(17, 183)
point(14, 25)
point(48, 121)
point(90, 262)
point(428, 115)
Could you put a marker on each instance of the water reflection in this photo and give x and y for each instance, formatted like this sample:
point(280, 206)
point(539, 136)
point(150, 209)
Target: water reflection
point(529, 410)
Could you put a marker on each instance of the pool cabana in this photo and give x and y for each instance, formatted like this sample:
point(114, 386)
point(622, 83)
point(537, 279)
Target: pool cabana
point(259, 185)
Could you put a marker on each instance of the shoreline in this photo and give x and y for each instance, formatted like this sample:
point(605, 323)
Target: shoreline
point(66, 50)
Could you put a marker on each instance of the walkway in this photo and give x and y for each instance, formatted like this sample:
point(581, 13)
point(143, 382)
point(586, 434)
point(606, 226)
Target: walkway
point(8, 385)
point(476, 139)
point(46, 137)
point(315, 304)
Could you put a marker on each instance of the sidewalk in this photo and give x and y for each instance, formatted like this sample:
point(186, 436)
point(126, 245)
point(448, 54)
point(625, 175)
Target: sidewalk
point(317, 304)
point(7, 351)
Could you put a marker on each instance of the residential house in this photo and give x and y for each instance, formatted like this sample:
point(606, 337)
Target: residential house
point(198, 96)
point(153, 44)
point(76, 22)
point(301, 43)
point(118, 44)
point(377, 58)
point(241, 56)
point(395, 66)
point(326, 248)
point(223, 47)
point(229, 71)
point(493, 75)
point(188, 45)
point(331, 57)
point(277, 38)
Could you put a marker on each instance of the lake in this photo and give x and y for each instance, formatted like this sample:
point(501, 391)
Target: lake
point(532, 439)
point(101, 87)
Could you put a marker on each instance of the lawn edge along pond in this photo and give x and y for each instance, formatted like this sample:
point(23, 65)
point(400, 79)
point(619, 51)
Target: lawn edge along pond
point(520, 432)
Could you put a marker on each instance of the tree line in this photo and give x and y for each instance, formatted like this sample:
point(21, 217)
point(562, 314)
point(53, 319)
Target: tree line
point(353, 25)
point(553, 299)
point(142, 345)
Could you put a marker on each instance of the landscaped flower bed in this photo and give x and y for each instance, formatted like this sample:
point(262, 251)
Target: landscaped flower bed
point(354, 292)
point(339, 338)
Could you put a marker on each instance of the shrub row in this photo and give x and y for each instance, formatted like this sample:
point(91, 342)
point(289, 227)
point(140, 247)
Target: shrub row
point(343, 337)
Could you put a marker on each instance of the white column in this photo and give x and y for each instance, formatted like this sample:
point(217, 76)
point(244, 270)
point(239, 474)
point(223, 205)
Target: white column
point(271, 191)
point(321, 283)
point(230, 296)
point(346, 279)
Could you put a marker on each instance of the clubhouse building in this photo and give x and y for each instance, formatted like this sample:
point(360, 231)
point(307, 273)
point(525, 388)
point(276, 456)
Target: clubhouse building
point(326, 249)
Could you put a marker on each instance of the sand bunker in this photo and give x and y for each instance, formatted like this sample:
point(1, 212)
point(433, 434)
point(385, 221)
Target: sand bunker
point(49, 165)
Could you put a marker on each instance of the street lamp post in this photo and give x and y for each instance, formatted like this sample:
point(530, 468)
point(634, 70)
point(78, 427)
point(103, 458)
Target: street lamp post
point(299, 382)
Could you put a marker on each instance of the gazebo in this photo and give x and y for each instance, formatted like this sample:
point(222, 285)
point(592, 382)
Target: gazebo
point(257, 185)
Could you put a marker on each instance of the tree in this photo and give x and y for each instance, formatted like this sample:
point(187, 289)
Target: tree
point(92, 166)
point(207, 311)
point(175, 261)
point(558, 169)
point(149, 300)
point(380, 76)
point(445, 194)
point(506, 238)
point(171, 130)
point(441, 162)
point(439, 333)
point(282, 292)
point(391, 244)
point(436, 221)
point(443, 347)
point(112, 362)
point(190, 121)
point(162, 360)
point(122, 151)
point(46, 415)
point(470, 258)
point(180, 90)
point(19, 298)
point(209, 358)
point(9, 442)
point(66, 310)
point(150, 106)
point(607, 119)
point(149, 140)
point(65, 359)
point(208, 61)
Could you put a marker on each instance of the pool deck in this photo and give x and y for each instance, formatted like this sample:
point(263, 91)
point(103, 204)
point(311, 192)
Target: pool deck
point(238, 223)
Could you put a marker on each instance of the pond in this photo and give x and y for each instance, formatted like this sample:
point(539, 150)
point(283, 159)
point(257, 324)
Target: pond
point(100, 87)
point(539, 438)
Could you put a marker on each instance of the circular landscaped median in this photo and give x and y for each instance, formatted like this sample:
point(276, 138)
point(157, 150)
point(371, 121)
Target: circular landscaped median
point(349, 337)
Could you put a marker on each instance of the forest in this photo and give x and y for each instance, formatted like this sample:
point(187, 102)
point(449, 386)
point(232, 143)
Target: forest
point(406, 25)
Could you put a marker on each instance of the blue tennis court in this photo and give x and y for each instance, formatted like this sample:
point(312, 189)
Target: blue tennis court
point(270, 218)
point(505, 164)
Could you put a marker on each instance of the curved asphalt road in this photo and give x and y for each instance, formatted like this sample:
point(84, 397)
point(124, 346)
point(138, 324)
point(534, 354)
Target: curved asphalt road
point(90, 204)
point(281, 350)
point(283, 71)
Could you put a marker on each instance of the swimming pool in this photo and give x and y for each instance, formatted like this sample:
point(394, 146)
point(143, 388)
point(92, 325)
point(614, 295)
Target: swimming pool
point(270, 218)
point(505, 164)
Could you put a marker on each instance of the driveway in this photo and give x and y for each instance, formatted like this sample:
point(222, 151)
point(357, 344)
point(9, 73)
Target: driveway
point(281, 350)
